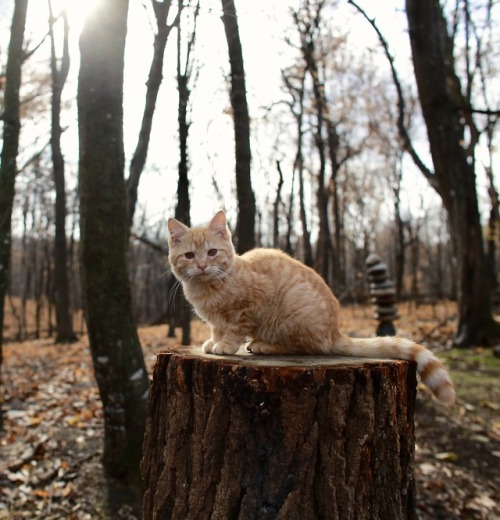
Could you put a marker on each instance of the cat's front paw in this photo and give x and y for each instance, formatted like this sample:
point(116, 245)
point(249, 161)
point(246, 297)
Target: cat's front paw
point(261, 347)
point(221, 348)
point(208, 346)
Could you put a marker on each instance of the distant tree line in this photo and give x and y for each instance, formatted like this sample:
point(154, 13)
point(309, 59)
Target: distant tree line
point(426, 275)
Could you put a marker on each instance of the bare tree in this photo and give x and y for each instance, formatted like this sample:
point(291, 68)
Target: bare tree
point(245, 226)
point(277, 204)
point(448, 118)
point(307, 21)
point(64, 320)
point(453, 135)
point(10, 146)
point(493, 235)
point(400, 245)
point(116, 352)
point(481, 63)
point(295, 83)
point(161, 10)
point(185, 65)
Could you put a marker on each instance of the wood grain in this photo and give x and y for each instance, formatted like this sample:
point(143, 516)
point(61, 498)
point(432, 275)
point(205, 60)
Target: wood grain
point(279, 437)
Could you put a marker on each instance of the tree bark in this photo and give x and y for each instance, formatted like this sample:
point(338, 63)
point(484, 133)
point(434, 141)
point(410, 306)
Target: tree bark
point(308, 31)
point(10, 146)
point(64, 318)
point(445, 115)
point(399, 245)
point(278, 203)
point(337, 246)
point(245, 226)
point(116, 352)
point(183, 206)
point(282, 437)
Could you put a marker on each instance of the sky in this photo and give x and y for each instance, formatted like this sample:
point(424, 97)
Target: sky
point(263, 27)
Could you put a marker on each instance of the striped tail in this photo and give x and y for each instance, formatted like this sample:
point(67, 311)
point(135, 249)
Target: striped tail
point(430, 369)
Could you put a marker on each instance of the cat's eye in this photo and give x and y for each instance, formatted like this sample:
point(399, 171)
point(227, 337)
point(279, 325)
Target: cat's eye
point(212, 252)
point(189, 255)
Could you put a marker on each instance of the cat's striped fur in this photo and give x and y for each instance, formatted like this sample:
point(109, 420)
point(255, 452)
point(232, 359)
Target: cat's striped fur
point(281, 305)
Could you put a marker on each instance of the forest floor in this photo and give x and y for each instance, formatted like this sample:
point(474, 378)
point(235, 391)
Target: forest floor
point(52, 444)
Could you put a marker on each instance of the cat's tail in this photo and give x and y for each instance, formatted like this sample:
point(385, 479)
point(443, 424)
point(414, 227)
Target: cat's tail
point(430, 369)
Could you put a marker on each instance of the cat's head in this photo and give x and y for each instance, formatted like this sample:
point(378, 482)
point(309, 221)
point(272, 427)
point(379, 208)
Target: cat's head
point(202, 253)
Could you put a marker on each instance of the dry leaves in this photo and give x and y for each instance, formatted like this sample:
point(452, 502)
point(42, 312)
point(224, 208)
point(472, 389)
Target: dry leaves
point(51, 448)
point(53, 424)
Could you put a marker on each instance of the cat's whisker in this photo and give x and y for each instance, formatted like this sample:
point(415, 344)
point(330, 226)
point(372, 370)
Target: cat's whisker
point(221, 273)
point(173, 294)
point(228, 277)
point(171, 297)
point(167, 272)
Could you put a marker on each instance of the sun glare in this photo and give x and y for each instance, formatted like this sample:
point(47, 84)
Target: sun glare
point(77, 11)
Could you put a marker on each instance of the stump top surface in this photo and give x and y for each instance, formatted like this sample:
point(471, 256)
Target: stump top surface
point(244, 358)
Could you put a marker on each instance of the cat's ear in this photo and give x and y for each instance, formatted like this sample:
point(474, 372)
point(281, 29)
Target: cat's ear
point(177, 230)
point(218, 225)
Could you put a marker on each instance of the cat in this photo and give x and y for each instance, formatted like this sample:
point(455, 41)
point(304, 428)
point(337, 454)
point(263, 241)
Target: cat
point(280, 304)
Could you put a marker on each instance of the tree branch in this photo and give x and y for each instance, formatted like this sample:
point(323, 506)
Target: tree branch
point(403, 132)
point(153, 245)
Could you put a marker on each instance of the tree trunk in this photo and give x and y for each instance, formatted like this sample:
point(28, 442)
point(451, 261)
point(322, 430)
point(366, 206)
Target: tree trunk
point(399, 244)
point(116, 352)
point(324, 247)
point(278, 203)
point(446, 114)
point(10, 146)
point(337, 246)
point(245, 226)
point(493, 233)
point(299, 166)
point(289, 248)
point(306, 234)
point(64, 319)
point(295, 438)
point(183, 206)
point(297, 93)
point(415, 246)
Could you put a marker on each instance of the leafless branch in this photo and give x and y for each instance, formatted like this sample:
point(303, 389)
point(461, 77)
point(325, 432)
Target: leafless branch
point(34, 157)
point(153, 245)
point(403, 132)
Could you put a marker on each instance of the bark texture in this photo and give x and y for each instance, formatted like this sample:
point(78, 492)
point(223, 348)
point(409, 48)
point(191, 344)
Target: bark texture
point(64, 318)
point(282, 437)
point(245, 226)
point(10, 146)
point(116, 352)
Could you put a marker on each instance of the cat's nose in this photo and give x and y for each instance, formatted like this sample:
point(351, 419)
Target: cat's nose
point(202, 267)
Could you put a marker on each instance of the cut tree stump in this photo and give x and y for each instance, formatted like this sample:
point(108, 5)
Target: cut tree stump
point(279, 437)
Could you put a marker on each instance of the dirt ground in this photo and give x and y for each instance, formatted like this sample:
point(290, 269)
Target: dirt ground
point(52, 444)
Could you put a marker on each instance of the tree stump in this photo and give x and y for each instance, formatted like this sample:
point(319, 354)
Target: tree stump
point(279, 437)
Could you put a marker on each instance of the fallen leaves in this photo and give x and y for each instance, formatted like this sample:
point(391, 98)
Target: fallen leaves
point(47, 388)
point(448, 456)
point(456, 466)
point(52, 445)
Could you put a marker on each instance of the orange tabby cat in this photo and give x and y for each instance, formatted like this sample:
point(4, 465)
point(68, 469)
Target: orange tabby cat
point(281, 305)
